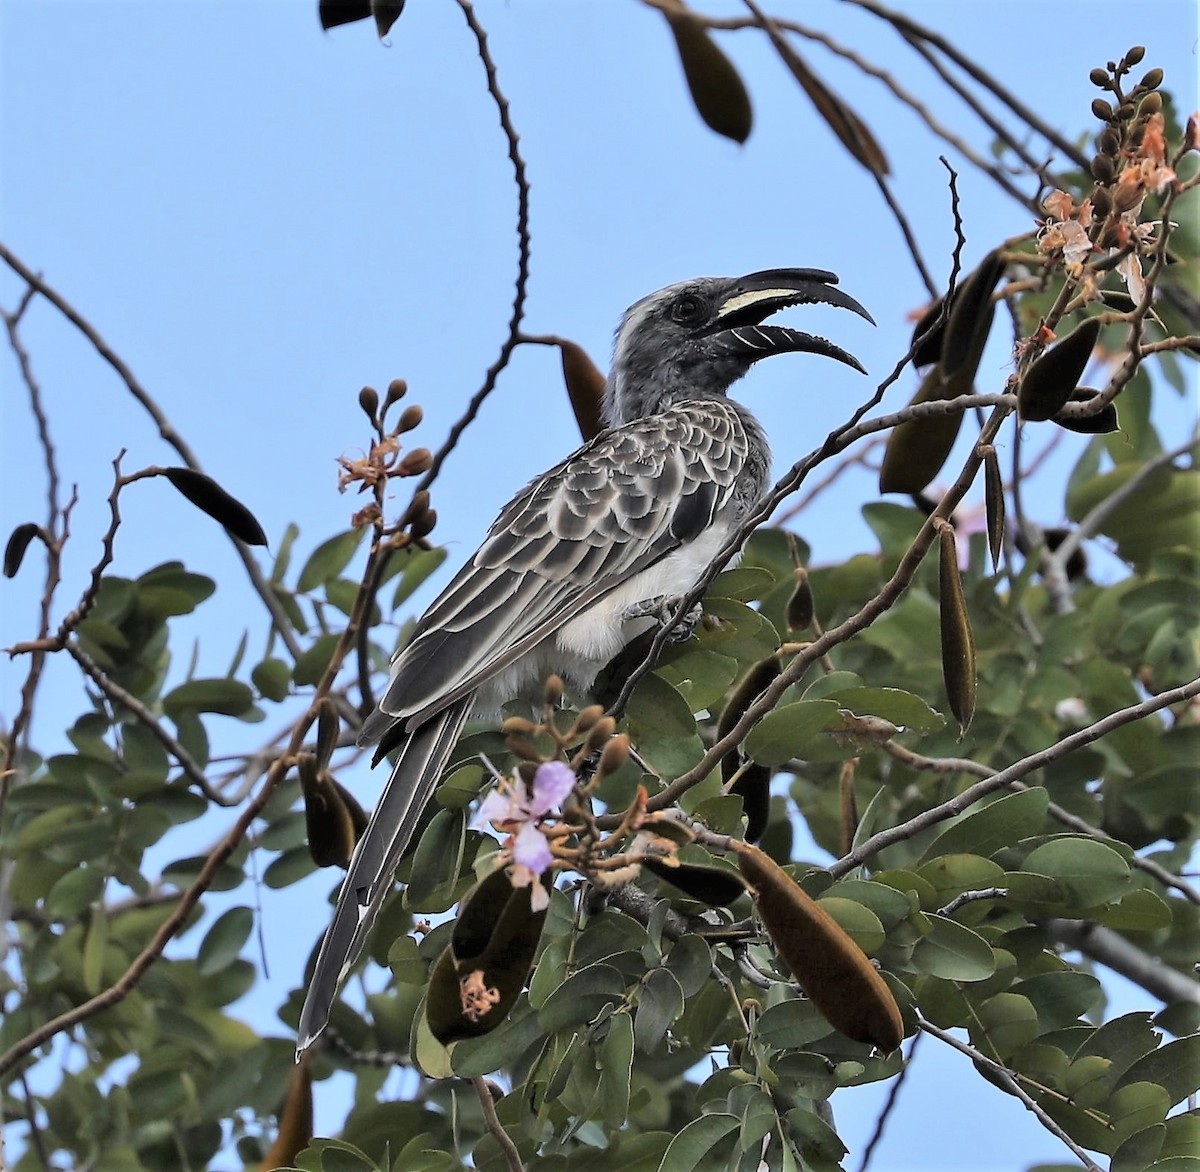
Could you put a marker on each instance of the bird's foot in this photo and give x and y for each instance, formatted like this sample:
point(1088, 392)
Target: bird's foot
point(663, 608)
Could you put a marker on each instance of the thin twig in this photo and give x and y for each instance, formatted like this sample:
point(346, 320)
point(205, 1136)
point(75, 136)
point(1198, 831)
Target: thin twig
point(488, 1104)
point(127, 700)
point(1055, 811)
point(889, 1106)
point(165, 429)
point(1014, 772)
point(510, 342)
point(906, 24)
point(1005, 1077)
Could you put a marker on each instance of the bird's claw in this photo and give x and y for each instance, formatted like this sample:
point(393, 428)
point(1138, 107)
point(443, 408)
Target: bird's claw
point(663, 608)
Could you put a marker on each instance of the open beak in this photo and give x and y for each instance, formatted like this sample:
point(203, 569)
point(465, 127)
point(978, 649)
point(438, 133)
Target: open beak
point(756, 296)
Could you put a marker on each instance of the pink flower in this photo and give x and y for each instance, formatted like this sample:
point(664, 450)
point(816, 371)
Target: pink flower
point(517, 810)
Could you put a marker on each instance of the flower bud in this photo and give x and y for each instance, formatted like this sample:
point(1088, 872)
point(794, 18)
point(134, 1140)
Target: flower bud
point(1125, 111)
point(410, 417)
point(368, 400)
point(397, 389)
point(417, 461)
point(1152, 80)
point(1150, 104)
point(1102, 109)
point(1103, 170)
point(1099, 77)
point(1108, 141)
point(1134, 56)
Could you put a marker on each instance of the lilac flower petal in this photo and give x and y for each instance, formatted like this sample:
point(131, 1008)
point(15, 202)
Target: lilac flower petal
point(551, 784)
point(530, 849)
point(496, 807)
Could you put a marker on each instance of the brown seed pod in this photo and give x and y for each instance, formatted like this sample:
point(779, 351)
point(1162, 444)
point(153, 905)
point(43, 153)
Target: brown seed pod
point(209, 497)
point(491, 951)
point(18, 543)
point(929, 348)
point(1100, 422)
point(917, 448)
point(295, 1118)
point(971, 314)
point(1047, 385)
point(958, 640)
point(801, 606)
point(847, 805)
point(835, 973)
point(585, 387)
point(993, 489)
point(751, 686)
point(714, 886)
point(717, 90)
point(753, 786)
point(423, 525)
point(332, 815)
point(328, 727)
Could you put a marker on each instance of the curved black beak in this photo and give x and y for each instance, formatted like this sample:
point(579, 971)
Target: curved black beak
point(756, 296)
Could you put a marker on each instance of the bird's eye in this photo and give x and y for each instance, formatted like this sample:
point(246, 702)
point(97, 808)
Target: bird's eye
point(687, 308)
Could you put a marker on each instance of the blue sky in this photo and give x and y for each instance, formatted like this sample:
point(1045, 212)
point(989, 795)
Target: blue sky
point(261, 217)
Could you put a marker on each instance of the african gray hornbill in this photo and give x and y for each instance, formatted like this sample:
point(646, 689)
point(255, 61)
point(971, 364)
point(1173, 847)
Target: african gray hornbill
point(584, 558)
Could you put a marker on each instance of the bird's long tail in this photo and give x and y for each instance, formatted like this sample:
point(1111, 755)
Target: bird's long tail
point(369, 877)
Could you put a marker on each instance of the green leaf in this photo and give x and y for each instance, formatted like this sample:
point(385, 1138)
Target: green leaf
point(328, 560)
point(786, 732)
point(74, 892)
point(272, 678)
point(901, 708)
point(859, 922)
point(616, 1064)
point(581, 997)
point(437, 863)
point(1001, 823)
point(660, 1002)
point(283, 558)
point(1003, 1024)
point(417, 565)
point(311, 665)
point(953, 952)
point(690, 960)
point(224, 940)
point(691, 1148)
point(792, 1024)
point(1175, 1067)
point(223, 696)
point(1091, 872)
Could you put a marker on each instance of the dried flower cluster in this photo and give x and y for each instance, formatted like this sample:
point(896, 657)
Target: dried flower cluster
point(1131, 162)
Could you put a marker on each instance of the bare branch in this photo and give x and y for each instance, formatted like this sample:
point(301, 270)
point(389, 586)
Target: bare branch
point(511, 342)
point(1014, 772)
point(488, 1104)
point(1007, 1079)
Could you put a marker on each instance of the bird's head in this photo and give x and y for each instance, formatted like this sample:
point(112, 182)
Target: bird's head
point(699, 337)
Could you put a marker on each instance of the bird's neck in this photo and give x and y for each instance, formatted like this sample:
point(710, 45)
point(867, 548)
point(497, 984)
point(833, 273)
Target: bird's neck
point(634, 395)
